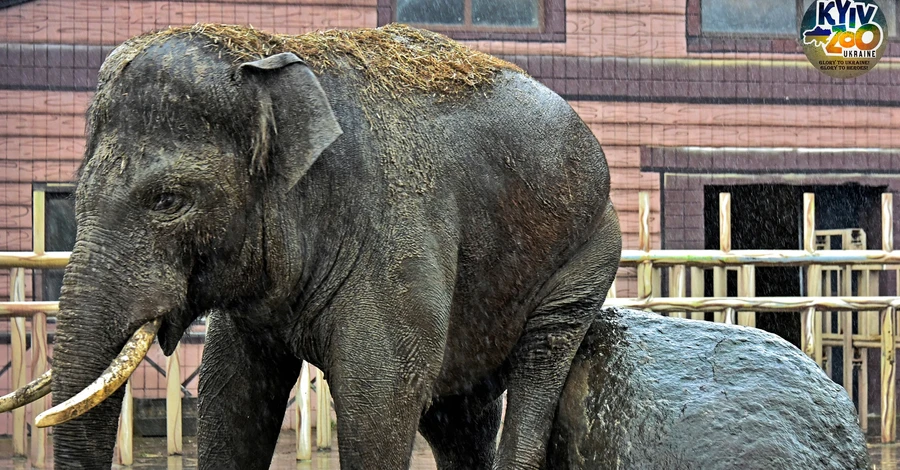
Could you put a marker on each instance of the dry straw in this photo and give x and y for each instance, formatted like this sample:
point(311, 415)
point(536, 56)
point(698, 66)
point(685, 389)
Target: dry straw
point(395, 58)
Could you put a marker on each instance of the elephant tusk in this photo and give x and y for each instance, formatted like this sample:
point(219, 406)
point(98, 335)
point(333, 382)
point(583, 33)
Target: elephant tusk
point(38, 388)
point(109, 381)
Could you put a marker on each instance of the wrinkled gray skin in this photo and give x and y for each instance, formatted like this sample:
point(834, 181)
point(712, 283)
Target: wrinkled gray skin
point(426, 260)
point(651, 392)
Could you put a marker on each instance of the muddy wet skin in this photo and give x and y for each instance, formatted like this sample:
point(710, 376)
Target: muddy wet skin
point(646, 391)
point(316, 205)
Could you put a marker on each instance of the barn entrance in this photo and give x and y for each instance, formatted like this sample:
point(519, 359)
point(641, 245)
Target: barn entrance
point(769, 216)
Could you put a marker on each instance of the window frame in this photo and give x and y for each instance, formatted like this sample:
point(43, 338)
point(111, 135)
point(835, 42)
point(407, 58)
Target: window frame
point(551, 24)
point(700, 41)
point(12, 3)
point(39, 193)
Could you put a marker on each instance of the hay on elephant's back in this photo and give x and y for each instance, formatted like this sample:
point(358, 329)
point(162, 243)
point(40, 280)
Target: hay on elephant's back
point(395, 58)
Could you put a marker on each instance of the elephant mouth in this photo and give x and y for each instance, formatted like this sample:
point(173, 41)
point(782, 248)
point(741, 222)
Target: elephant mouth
point(171, 330)
point(109, 381)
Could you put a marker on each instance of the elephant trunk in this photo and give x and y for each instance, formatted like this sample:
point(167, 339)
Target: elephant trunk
point(101, 306)
point(80, 356)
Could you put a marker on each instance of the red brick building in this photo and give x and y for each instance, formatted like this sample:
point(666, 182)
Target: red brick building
point(687, 97)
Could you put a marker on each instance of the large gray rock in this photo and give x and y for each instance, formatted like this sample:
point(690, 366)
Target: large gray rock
point(647, 391)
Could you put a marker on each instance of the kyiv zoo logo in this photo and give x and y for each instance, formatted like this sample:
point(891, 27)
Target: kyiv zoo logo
point(843, 38)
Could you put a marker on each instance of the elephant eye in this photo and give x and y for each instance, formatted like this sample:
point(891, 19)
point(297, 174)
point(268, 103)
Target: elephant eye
point(168, 202)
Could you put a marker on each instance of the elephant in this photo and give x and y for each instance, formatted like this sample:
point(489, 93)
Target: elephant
point(646, 391)
point(425, 223)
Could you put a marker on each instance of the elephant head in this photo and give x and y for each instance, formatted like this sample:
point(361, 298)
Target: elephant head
point(190, 151)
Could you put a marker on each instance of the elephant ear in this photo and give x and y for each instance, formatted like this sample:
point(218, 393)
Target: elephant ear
point(295, 120)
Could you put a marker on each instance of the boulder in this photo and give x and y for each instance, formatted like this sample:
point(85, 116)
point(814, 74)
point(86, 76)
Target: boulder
point(647, 391)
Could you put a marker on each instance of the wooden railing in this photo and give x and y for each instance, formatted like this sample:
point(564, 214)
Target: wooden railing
point(649, 263)
point(879, 333)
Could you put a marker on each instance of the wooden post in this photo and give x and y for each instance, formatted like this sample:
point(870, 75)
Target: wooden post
point(38, 339)
point(697, 290)
point(656, 282)
point(612, 291)
point(173, 402)
point(846, 319)
point(304, 423)
point(678, 286)
point(38, 367)
point(888, 327)
point(865, 328)
point(807, 321)
point(17, 344)
point(720, 276)
point(814, 285)
point(888, 377)
point(863, 388)
point(125, 440)
point(747, 288)
point(826, 274)
point(323, 412)
point(645, 269)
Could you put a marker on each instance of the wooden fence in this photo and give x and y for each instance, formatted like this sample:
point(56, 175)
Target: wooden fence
point(876, 327)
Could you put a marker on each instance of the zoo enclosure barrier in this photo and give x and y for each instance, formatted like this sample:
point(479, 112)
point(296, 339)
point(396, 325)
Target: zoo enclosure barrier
point(876, 317)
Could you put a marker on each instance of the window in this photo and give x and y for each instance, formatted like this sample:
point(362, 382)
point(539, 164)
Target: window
point(765, 26)
point(471, 14)
point(59, 234)
point(767, 17)
point(772, 17)
point(513, 20)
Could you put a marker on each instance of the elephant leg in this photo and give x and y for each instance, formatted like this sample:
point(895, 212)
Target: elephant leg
point(381, 378)
point(245, 382)
point(377, 415)
point(541, 360)
point(462, 432)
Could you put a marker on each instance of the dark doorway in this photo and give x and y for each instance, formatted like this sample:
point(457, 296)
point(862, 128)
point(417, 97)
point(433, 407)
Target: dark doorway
point(769, 216)
point(59, 229)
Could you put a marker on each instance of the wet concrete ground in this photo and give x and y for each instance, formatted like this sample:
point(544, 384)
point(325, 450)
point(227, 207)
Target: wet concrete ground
point(150, 453)
point(885, 456)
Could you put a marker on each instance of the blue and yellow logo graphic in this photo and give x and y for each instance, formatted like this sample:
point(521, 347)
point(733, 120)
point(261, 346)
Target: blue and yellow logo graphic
point(844, 38)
